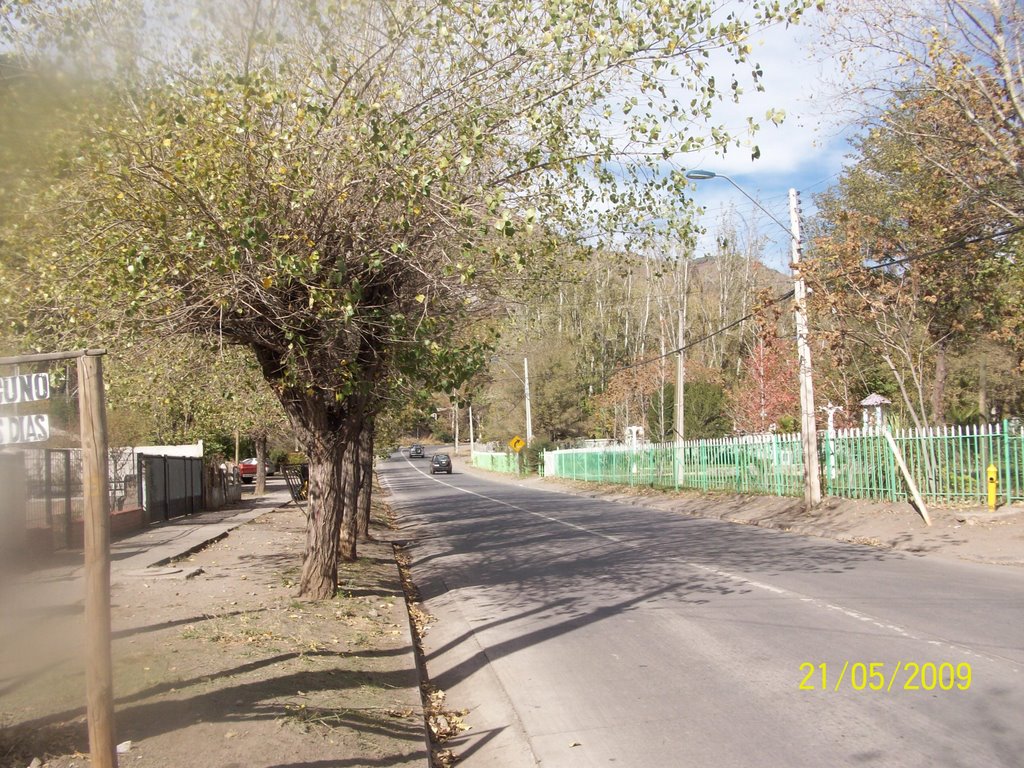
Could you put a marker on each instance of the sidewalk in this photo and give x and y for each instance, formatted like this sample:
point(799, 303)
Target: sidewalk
point(215, 660)
point(59, 587)
point(161, 544)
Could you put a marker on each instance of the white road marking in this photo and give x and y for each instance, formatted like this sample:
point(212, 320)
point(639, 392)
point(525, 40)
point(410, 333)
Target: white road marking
point(816, 602)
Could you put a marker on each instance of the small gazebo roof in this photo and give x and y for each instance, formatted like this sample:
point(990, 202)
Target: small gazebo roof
point(875, 399)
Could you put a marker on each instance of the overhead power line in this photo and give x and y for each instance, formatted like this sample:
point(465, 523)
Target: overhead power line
point(960, 243)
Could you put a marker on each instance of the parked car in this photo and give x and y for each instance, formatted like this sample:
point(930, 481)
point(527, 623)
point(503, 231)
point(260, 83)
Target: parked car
point(247, 469)
point(416, 452)
point(441, 462)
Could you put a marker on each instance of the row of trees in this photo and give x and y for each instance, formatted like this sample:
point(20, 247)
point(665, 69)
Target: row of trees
point(345, 190)
point(933, 202)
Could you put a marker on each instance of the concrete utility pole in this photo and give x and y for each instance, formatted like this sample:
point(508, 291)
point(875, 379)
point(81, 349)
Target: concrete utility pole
point(472, 442)
point(526, 392)
point(680, 415)
point(455, 422)
point(808, 427)
point(679, 423)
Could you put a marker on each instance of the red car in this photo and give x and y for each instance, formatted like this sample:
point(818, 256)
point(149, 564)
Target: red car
point(247, 470)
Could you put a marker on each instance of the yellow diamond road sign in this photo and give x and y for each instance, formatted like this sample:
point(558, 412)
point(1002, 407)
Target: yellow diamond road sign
point(517, 443)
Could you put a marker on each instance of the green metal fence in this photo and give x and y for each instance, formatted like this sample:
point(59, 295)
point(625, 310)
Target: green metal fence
point(651, 465)
point(769, 464)
point(948, 465)
point(496, 462)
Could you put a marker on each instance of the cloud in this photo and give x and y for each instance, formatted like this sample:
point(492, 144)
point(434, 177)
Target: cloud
point(806, 151)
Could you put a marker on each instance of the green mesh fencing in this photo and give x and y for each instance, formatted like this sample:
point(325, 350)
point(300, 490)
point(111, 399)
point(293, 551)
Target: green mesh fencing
point(496, 462)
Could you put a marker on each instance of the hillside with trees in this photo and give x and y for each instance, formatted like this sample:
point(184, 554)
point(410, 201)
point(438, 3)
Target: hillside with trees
point(600, 345)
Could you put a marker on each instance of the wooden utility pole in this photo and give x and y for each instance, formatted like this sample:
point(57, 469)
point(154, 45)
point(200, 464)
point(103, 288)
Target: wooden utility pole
point(99, 672)
point(99, 688)
point(808, 427)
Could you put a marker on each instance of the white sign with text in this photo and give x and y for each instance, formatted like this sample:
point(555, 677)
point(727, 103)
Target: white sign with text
point(33, 428)
point(27, 388)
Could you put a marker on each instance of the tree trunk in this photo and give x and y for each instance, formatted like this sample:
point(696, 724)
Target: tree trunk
point(350, 497)
point(329, 430)
point(983, 390)
point(261, 466)
point(366, 440)
point(939, 386)
point(319, 578)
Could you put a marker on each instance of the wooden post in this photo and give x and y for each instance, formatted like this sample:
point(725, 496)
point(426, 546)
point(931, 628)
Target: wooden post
point(99, 672)
point(915, 494)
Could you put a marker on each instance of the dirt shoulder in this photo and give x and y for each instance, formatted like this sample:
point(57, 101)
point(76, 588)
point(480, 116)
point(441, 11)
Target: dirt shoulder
point(972, 534)
point(217, 664)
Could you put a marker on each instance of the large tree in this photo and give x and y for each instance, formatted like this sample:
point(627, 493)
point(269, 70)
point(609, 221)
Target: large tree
point(910, 265)
point(766, 397)
point(338, 187)
point(963, 60)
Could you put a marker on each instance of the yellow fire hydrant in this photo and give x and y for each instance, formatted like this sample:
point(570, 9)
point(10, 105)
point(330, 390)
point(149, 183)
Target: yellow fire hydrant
point(993, 482)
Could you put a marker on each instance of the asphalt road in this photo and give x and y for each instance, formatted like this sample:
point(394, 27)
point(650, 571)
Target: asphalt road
point(588, 633)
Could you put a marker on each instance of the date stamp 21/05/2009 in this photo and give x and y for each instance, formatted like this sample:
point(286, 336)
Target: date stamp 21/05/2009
point(882, 676)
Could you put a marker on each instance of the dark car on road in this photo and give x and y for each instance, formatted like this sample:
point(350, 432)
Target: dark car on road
point(441, 462)
point(416, 452)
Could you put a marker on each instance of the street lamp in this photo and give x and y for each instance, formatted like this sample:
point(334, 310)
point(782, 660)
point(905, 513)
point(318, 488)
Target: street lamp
point(808, 428)
point(704, 175)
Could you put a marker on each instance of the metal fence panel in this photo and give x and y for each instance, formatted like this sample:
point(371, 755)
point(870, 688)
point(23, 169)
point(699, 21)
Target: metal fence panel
point(171, 486)
point(948, 464)
point(40, 498)
point(496, 462)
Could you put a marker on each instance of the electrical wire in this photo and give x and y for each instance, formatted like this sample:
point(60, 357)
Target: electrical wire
point(782, 297)
point(961, 243)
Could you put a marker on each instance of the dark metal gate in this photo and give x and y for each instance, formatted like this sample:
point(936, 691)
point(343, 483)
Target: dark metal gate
point(171, 486)
point(59, 482)
point(41, 504)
